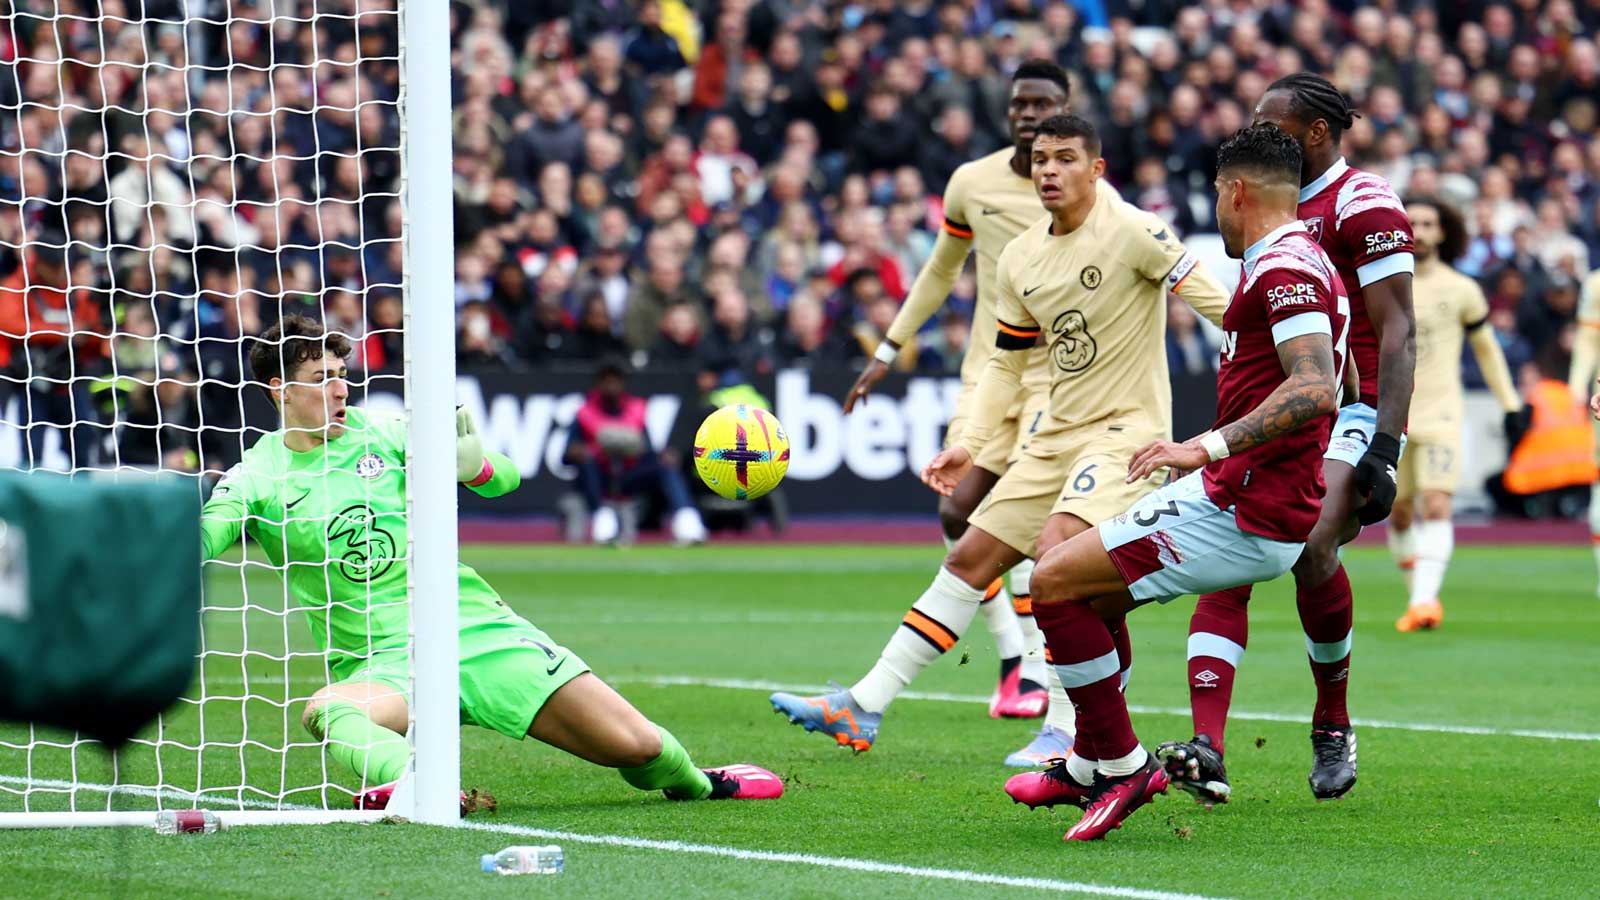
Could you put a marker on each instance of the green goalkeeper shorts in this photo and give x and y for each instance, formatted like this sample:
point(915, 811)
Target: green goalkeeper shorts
point(509, 668)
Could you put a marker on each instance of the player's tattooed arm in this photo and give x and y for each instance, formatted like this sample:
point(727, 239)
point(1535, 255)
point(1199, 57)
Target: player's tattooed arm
point(1310, 391)
point(1389, 304)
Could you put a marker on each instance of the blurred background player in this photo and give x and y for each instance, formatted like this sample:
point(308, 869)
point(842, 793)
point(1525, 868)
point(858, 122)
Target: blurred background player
point(1361, 224)
point(1092, 279)
point(331, 483)
point(1581, 380)
point(610, 447)
point(1450, 309)
point(1253, 490)
point(987, 202)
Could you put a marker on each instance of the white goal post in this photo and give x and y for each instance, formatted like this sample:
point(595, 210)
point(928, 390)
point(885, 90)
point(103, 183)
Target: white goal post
point(201, 171)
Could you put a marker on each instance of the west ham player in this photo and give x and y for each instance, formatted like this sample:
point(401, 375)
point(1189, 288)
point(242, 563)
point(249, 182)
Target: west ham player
point(988, 202)
point(1254, 487)
point(1451, 310)
point(324, 499)
point(1361, 224)
point(1091, 278)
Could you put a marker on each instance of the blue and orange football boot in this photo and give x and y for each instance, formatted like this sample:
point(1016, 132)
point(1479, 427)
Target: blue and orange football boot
point(835, 714)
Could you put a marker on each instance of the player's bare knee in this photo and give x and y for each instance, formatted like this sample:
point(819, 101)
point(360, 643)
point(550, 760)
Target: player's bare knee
point(953, 517)
point(1051, 585)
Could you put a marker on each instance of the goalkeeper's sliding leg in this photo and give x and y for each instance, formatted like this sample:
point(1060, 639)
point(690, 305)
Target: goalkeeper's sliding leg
point(517, 681)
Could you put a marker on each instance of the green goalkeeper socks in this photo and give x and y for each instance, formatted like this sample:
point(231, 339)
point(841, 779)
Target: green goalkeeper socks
point(369, 749)
point(672, 772)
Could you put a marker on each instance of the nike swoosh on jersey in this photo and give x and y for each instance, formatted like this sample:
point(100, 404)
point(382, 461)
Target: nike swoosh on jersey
point(552, 669)
point(291, 504)
point(987, 211)
point(1031, 290)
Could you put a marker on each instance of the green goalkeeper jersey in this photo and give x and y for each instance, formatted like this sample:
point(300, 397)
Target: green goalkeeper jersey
point(332, 520)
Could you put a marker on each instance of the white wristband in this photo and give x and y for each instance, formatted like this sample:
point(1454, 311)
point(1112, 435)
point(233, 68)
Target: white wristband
point(886, 353)
point(1216, 445)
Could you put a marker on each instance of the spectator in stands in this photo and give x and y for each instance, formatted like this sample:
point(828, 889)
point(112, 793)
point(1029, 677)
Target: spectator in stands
point(877, 312)
point(52, 342)
point(1188, 350)
point(617, 462)
point(939, 156)
point(807, 340)
point(735, 340)
point(650, 50)
point(678, 346)
point(477, 346)
point(947, 347)
point(663, 287)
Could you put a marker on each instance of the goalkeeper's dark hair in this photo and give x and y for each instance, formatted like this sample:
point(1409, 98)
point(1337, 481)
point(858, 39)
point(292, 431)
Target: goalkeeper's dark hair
point(1070, 126)
point(294, 340)
point(1453, 240)
point(1265, 151)
point(1044, 70)
point(1313, 97)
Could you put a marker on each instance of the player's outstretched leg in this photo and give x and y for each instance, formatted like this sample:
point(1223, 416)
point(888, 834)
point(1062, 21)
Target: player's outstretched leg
point(588, 719)
point(930, 629)
point(1077, 589)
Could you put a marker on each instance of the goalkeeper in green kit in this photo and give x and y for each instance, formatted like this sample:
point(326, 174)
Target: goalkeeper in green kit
point(324, 498)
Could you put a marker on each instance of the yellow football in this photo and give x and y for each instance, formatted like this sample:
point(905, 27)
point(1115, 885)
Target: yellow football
point(741, 452)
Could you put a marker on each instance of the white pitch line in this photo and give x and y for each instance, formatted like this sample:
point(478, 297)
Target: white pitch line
point(873, 866)
point(836, 862)
point(1441, 728)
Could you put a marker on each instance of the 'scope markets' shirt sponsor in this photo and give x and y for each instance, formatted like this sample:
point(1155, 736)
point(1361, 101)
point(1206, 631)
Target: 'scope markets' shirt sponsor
point(1382, 241)
point(1291, 294)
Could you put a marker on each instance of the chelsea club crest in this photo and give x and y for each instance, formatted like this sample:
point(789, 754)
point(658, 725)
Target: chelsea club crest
point(370, 466)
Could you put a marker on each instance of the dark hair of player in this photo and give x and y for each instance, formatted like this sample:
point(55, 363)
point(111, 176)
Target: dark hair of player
point(1044, 70)
point(1453, 242)
point(1266, 151)
point(1314, 97)
point(284, 346)
point(1070, 126)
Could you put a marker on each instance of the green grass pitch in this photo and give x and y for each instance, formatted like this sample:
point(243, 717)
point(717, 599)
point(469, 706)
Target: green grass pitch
point(691, 636)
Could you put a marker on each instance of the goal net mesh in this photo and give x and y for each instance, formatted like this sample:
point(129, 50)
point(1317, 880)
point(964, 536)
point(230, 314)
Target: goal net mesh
point(176, 176)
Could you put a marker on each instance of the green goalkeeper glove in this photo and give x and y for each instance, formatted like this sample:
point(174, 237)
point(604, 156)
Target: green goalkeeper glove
point(469, 447)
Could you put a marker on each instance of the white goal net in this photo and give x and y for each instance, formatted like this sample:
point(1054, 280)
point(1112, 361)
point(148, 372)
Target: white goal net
point(176, 176)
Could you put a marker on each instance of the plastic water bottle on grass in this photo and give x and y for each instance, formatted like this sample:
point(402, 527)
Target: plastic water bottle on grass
point(187, 821)
point(546, 860)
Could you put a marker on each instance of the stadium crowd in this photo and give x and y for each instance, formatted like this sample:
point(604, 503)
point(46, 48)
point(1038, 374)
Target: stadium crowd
point(720, 185)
